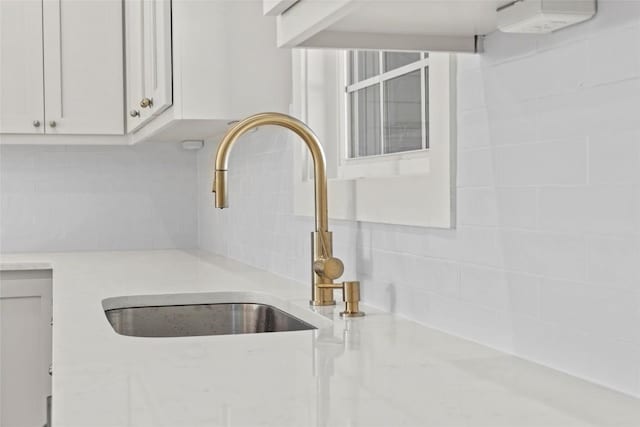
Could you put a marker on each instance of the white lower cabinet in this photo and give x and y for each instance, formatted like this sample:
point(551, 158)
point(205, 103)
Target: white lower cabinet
point(25, 347)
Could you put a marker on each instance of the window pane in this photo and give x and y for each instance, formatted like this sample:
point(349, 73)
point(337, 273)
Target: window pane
point(394, 60)
point(368, 64)
point(351, 64)
point(426, 109)
point(403, 113)
point(365, 122)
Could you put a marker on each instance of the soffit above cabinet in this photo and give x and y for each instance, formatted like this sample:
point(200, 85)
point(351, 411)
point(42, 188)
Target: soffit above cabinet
point(448, 25)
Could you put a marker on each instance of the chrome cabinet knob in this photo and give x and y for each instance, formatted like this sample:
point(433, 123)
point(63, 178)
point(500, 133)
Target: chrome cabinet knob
point(53, 124)
point(134, 113)
point(146, 102)
point(36, 123)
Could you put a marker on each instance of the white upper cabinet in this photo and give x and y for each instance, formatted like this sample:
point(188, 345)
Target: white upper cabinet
point(200, 65)
point(61, 68)
point(148, 53)
point(432, 25)
point(83, 67)
point(21, 75)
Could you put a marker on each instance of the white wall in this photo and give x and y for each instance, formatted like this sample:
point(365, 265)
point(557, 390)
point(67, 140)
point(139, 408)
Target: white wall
point(544, 262)
point(67, 198)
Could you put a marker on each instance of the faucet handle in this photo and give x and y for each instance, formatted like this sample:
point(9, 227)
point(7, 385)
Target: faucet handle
point(330, 268)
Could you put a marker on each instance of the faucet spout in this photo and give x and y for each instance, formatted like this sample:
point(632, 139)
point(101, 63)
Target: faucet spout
point(293, 124)
point(324, 267)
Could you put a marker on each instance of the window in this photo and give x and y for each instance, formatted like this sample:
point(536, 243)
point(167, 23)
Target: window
point(387, 124)
point(388, 97)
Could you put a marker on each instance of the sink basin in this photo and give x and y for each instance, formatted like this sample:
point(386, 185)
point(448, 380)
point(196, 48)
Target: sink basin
point(202, 319)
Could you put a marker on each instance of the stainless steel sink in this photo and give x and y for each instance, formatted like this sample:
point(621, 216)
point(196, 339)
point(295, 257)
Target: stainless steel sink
point(202, 319)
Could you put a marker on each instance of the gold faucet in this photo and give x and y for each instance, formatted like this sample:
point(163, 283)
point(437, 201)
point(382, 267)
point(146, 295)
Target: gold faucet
point(325, 267)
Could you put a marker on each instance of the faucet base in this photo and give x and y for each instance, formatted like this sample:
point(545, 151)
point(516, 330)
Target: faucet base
point(349, 314)
point(321, 304)
point(322, 296)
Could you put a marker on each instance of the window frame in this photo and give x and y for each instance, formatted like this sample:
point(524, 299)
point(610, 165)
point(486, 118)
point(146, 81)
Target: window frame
point(414, 188)
point(380, 79)
point(406, 163)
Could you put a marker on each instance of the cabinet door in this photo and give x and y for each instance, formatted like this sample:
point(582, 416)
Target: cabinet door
point(83, 67)
point(134, 49)
point(157, 55)
point(25, 347)
point(149, 60)
point(21, 77)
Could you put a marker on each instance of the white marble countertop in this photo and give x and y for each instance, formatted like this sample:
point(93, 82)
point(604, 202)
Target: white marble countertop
point(379, 370)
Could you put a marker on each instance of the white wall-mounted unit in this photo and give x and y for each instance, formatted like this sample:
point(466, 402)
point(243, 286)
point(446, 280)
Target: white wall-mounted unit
point(203, 64)
point(432, 25)
point(539, 17)
point(61, 69)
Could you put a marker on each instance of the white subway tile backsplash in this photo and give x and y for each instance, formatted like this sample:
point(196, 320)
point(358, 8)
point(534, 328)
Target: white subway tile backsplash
point(599, 359)
point(480, 245)
point(471, 94)
point(477, 206)
point(602, 55)
point(436, 276)
point(562, 117)
point(561, 256)
point(599, 109)
point(508, 207)
point(613, 262)
point(513, 123)
point(514, 47)
point(559, 162)
point(543, 262)
point(411, 303)
point(473, 130)
point(443, 244)
point(556, 80)
point(475, 168)
point(524, 294)
point(67, 198)
point(484, 287)
point(602, 209)
point(517, 207)
point(512, 82)
point(488, 326)
point(500, 290)
point(614, 158)
point(596, 310)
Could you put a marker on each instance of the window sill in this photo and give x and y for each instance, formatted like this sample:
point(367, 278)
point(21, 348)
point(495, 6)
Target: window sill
point(405, 200)
point(387, 166)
